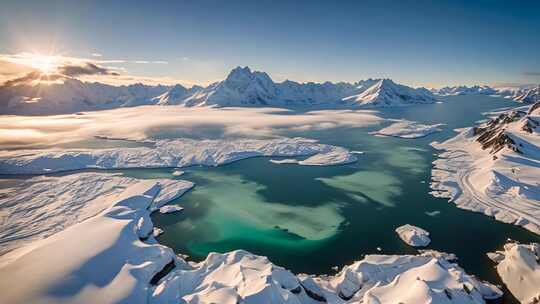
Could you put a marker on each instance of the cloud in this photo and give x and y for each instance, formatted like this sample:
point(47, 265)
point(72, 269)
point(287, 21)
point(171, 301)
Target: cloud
point(536, 74)
point(32, 76)
point(85, 69)
point(96, 55)
point(173, 121)
point(15, 69)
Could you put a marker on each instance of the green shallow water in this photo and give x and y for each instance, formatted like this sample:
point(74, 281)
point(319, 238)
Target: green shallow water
point(310, 219)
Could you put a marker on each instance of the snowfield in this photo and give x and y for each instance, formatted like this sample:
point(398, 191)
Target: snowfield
point(494, 168)
point(113, 258)
point(171, 153)
point(408, 129)
point(519, 268)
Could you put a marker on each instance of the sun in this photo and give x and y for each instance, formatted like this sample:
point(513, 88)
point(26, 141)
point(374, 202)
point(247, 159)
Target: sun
point(44, 63)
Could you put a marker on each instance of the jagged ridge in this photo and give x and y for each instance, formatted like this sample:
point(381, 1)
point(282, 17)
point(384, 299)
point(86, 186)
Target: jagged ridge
point(242, 87)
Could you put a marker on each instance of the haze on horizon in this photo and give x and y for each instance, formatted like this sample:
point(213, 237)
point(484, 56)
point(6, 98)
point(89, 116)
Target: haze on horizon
point(418, 43)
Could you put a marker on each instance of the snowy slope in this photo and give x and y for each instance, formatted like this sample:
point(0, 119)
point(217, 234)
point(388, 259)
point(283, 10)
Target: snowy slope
point(527, 96)
point(494, 168)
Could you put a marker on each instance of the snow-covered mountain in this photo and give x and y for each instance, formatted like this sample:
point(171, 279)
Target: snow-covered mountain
point(465, 90)
point(386, 93)
point(73, 95)
point(242, 87)
point(525, 94)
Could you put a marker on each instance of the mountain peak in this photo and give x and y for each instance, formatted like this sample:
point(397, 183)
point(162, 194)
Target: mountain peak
point(239, 72)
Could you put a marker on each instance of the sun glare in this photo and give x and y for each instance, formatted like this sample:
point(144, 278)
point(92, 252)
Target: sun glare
point(46, 64)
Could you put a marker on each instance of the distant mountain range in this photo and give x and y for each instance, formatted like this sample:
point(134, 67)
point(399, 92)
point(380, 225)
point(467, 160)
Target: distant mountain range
point(527, 94)
point(242, 87)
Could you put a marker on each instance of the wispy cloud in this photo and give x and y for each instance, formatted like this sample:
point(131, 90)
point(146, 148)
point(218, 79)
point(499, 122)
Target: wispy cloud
point(85, 69)
point(97, 55)
point(536, 74)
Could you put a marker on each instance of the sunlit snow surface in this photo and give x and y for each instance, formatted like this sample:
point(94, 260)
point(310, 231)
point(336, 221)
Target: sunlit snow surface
point(503, 184)
point(172, 153)
point(519, 267)
point(414, 236)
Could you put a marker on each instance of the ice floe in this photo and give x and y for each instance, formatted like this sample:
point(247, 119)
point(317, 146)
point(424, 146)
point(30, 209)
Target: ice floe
point(171, 153)
point(170, 209)
point(178, 173)
point(414, 236)
point(408, 129)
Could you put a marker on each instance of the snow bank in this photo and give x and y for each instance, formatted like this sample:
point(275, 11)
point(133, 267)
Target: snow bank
point(519, 268)
point(494, 168)
point(170, 209)
point(171, 153)
point(239, 276)
point(414, 236)
point(408, 129)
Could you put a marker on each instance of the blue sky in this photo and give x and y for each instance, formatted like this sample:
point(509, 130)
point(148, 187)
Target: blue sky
point(429, 43)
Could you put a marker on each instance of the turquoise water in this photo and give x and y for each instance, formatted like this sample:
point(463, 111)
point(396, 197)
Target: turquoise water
point(310, 219)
